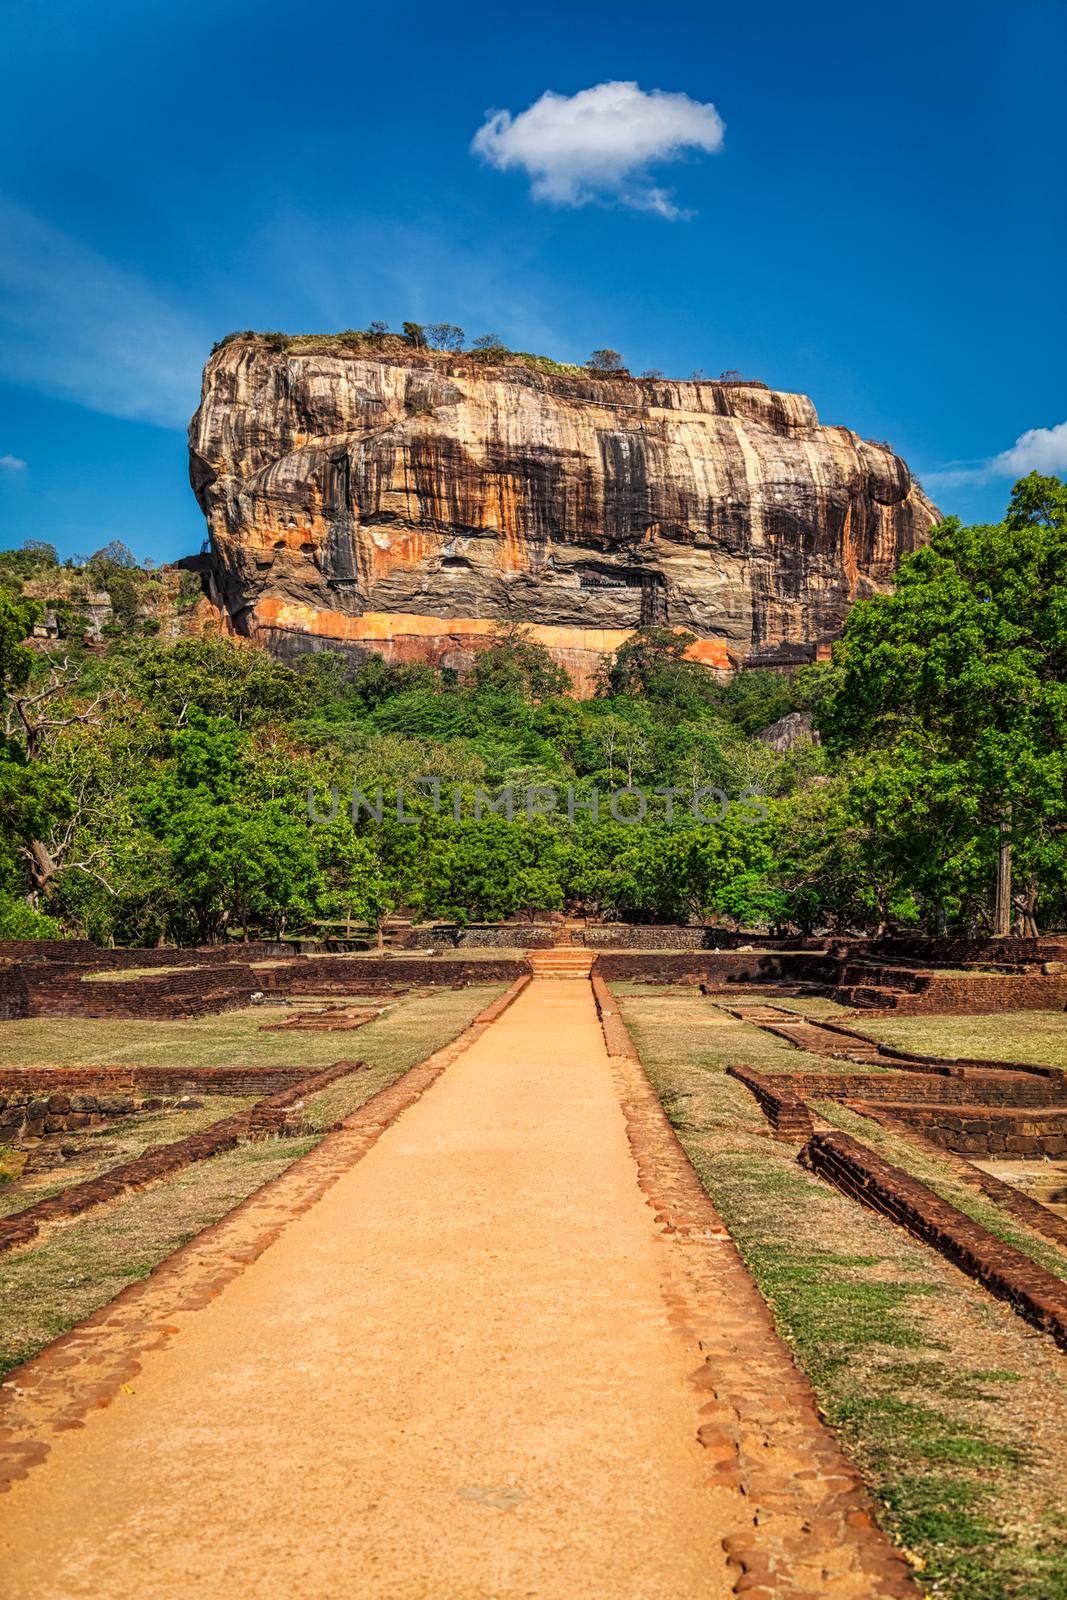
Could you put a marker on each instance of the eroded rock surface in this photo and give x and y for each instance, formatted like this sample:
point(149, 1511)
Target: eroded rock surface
point(414, 504)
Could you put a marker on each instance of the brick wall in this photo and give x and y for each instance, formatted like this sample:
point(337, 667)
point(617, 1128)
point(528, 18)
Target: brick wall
point(981, 993)
point(709, 966)
point(502, 935)
point(148, 1080)
point(14, 997)
point(654, 936)
point(1034, 1293)
point(948, 1086)
point(785, 1110)
point(1018, 1134)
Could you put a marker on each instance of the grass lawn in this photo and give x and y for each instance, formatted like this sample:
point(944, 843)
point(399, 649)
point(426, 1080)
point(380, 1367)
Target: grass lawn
point(53, 1283)
point(725, 1042)
point(1037, 1036)
point(955, 1411)
point(47, 1288)
point(230, 1039)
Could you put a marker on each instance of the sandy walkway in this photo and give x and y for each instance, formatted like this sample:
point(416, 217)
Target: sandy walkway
point(454, 1376)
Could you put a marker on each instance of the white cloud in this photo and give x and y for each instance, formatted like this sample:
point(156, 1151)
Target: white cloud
point(1038, 450)
point(76, 325)
point(599, 144)
point(11, 465)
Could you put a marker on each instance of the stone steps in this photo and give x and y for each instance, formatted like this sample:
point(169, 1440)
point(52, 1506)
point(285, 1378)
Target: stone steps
point(561, 961)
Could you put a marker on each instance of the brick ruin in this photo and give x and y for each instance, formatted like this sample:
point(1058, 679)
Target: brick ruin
point(87, 982)
point(277, 1111)
point(960, 1108)
point(905, 977)
point(962, 1111)
point(73, 978)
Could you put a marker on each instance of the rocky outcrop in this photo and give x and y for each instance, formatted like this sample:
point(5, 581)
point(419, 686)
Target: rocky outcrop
point(793, 729)
point(415, 503)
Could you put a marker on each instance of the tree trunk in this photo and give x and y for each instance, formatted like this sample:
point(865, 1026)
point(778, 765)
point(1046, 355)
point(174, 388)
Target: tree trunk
point(1026, 906)
point(1002, 905)
point(42, 867)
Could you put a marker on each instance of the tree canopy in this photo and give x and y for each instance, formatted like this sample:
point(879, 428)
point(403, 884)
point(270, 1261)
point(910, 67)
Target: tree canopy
point(953, 691)
point(160, 790)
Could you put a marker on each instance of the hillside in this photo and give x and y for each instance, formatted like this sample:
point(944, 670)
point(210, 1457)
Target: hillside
point(88, 602)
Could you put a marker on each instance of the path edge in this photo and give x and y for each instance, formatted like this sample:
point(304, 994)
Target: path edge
point(827, 1511)
point(81, 1371)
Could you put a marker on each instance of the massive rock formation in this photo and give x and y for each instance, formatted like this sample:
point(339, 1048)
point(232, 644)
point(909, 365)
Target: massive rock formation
point(414, 503)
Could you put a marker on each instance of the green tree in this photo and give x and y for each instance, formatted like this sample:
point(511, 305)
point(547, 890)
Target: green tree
point(955, 687)
point(606, 361)
point(30, 798)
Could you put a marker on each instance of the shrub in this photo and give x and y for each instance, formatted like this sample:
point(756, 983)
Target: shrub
point(606, 361)
point(20, 921)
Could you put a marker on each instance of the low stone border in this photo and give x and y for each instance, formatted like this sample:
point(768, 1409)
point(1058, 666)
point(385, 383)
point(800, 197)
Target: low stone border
point(617, 1040)
point(334, 1019)
point(163, 1160)
point(785, 1111)
point(788, 1024)
point(1031, 1291)
point(966, 1063)
point(806, 1524)
point(1020, 1205)
point(25, 1115)
point(87, 1367)
point(272, 1115)
point(938, 1063)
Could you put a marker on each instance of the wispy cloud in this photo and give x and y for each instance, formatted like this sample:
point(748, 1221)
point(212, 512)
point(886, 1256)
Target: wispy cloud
point(76, 325)
point(12, 466)
point(342, 273)
point(598, 145)
point(1037, 450)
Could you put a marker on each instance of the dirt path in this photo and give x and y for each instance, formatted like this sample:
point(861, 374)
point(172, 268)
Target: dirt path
point(455, 1375)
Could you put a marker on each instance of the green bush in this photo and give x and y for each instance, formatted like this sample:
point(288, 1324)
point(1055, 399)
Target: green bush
point(20, 921)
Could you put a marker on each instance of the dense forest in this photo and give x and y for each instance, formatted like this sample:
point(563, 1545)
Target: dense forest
point(186, 788)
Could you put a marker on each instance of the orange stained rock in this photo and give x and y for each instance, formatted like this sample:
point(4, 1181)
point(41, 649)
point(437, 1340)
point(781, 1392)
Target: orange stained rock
point(384, 628)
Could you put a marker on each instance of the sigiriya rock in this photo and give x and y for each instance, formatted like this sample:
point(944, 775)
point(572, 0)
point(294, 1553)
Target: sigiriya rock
point(413, 504)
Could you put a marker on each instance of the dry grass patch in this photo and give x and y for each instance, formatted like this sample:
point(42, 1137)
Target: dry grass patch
point(1039, 1037)
point(46, 1289)
point(955, 1411)
point(49, 1286)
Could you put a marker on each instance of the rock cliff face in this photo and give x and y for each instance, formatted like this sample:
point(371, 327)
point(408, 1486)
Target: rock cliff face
point(414, 504)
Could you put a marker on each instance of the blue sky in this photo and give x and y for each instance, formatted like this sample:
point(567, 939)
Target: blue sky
point(873, 214)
